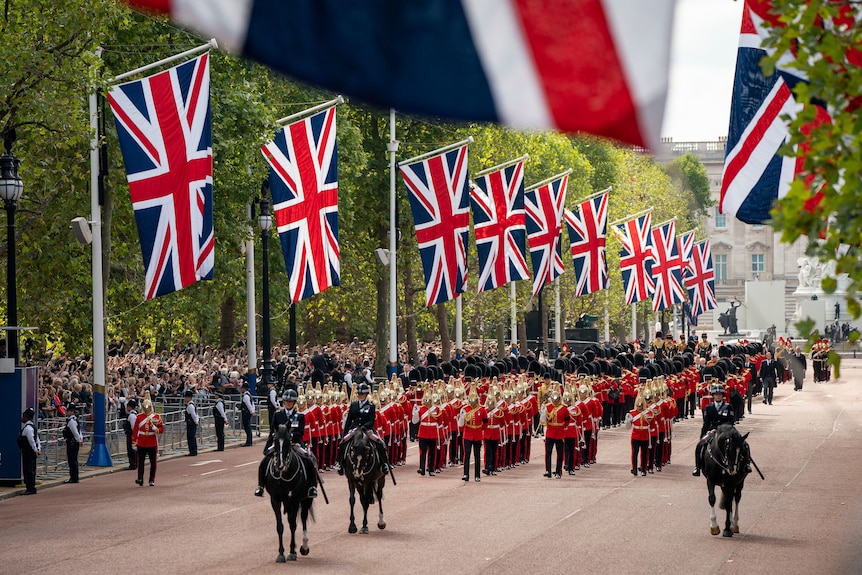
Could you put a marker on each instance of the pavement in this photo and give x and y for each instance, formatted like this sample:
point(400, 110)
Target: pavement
point(804, 517)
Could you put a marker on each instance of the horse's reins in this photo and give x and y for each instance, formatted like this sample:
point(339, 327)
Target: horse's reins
point(276, 471)
point(367, 468)
point(724, 464)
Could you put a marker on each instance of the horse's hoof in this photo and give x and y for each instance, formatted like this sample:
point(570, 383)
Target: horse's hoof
point(303, 550)
point(727, 533)
point(363, 531)
point(735, 528)
point(291, 557)
point(280, 559)
point(381, 525)
point(351, 529)
point(714, 530)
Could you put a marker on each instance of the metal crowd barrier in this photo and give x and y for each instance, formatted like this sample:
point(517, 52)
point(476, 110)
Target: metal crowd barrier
point(53, 461)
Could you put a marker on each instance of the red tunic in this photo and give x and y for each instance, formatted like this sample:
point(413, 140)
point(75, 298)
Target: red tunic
point(475, 420)
point(556, 420)
point(640, 424)
point(427, 419)
point(147, 429)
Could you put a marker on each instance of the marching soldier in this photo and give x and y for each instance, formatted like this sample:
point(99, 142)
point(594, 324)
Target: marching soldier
point(639, 420)
point(555, 416)
point(426, 419)
point(148, 426)
point(472, 419)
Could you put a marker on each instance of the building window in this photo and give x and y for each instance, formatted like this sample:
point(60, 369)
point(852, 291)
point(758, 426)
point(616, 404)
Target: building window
point(757, 264)
point(720, 219)
point(719, 262)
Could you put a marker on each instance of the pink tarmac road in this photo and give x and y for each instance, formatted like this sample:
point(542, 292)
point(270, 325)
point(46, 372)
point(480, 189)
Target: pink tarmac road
point(201, 516)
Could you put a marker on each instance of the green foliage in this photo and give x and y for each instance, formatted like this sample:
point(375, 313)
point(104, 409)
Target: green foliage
point(832, 151)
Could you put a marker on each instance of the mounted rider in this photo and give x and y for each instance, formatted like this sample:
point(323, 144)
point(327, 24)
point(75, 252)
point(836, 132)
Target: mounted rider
point(294, 421)
point(716, 413)
point(361, 416)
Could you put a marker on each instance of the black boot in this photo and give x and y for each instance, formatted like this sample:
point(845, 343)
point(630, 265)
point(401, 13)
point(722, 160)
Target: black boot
point(259, 491)
point(696, 472)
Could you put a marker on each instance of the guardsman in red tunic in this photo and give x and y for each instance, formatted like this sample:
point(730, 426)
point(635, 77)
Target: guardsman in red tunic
point(425, 417)
point(145, 438)
point(473, 419)
point(639, 420)
point(493, 434)
point(652, 407)
point(572, 437)
point(555, 416)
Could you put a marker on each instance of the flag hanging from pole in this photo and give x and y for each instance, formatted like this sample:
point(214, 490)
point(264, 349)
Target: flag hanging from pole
point(439, 200)
point(588, 231)
point(700, 279)
point(636, 258)
point(303, 179)
point(164, 128)
point(666, 268)
point(544, 206)
point(500, 226)
point(507, 61)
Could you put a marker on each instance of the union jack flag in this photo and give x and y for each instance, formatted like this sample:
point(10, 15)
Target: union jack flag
point(163, 124)
point(439, 199)
point(686, 245)
point(700, 280)
point(666, 268)
point(588, 231)
point(636, 258)
point(500, 226)
point(303, 178)
point(544, 206)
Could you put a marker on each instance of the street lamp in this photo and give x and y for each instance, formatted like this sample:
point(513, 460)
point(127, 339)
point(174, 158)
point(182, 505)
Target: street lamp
point(264, 220)
point(11, 189)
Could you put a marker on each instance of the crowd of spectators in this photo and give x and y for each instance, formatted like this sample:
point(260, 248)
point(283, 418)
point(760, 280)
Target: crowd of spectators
point(132, 369)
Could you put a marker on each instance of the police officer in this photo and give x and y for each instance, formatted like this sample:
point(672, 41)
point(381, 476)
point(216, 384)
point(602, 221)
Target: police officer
point(128, 426)
point(715, 414)
point(294, 420)
point(74, 439)
point(192, 419)
point(247, 407)
point(271, 400)
point(31, 449)
point(220, 419)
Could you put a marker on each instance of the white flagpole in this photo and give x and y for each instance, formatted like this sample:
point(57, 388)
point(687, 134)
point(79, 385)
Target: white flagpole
point(548, 180)
point(251, 337)
point(202, 48)
point(607, 318)
point(459, 341)
point(312, 110)
point(501, 166)
point(557, 337)
point(392, 148)
point(442, 150)
point(514, 311)
point(99, 454)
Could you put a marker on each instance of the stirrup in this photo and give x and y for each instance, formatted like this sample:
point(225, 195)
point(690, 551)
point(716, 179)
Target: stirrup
point(312, 492)
point(258, 492)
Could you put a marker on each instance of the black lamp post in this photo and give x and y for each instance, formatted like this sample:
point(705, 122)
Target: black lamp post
point(11, 189)
point(264, 220)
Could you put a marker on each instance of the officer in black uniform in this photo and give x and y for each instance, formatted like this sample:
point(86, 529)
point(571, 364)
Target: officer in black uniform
point(74, 439)
point(219, 419)
point(715, 414)
point(360, 416)
point(192, 419)
point(295, 422)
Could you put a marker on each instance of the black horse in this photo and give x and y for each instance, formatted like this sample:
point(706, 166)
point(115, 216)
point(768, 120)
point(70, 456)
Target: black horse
point(724, 462)
point(288, 489)
point(364, 471)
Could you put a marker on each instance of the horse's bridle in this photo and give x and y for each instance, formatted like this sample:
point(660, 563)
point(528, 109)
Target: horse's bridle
point(359, 472)
point(276, 468)
point(724, 463)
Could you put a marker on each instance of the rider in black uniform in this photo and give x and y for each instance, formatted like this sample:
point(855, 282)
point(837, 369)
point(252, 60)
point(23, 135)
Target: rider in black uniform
point(295, 422)
point(715, 414)
point(361, 415)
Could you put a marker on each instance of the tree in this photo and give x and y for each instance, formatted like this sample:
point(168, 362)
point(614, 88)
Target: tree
point(820, 40)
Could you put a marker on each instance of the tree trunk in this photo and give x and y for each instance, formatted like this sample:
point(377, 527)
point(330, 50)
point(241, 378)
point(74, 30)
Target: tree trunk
point(501, 341)
point(522, 336)
point(227, 323)
point(443, 324)
point(409, 318)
